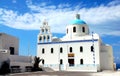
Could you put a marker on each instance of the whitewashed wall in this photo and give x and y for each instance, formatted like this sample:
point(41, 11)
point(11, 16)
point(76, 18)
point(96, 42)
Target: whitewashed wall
point(53, 59)
point(106, 58)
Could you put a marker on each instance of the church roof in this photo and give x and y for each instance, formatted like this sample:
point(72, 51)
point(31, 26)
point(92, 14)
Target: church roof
point(77, 21)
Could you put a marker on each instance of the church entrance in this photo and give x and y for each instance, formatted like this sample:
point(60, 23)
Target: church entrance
point(71, 59)
point(71, 62)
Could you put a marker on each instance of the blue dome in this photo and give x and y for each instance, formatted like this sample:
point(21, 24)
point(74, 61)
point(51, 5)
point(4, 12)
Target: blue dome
point(77, 21)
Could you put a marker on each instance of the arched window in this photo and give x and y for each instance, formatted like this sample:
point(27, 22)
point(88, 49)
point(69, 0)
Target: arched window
point(51, 50)
point(81, 61)
point(61, 50)
point(71, 49)
point(46, 30)
point(83, 29)
point(42, 30)
point(92, 49)
point(43, 61)
point(44, 38)
point(48, 38)
point(40, 38)
point(74, 29)
point(43, 51)
point(81, 49)
point(61, 61)
point(67, 31)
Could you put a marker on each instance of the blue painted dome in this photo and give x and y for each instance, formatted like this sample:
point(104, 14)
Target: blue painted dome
point(77, 21)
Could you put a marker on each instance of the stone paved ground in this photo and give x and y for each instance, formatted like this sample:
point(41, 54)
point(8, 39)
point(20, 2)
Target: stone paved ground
point(104, 73)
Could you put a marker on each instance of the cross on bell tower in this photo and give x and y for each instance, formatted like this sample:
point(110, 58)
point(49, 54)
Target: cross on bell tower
point(45, 23)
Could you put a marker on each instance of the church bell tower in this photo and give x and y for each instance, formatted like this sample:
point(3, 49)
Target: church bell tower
point(45, 34)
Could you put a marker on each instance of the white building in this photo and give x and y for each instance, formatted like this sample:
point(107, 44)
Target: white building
point(9, 46)
point(76, 51)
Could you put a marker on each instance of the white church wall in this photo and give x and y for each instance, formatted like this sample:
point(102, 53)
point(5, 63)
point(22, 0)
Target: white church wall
point(53, 59)
point(50, 59)
point(79, 31)
point(47, 56)
point(83, 68)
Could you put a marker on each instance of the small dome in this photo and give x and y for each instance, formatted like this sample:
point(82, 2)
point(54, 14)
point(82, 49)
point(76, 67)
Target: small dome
point(55, 39)
point(77, 21)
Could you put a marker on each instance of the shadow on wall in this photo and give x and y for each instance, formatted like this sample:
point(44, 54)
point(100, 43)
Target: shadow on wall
point(5, 68)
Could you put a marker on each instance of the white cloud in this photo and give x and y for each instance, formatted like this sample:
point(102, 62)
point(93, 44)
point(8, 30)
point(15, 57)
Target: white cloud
point(104, 20)
point(12, 19)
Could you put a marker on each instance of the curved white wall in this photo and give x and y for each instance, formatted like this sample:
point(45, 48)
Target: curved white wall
point(78, 30)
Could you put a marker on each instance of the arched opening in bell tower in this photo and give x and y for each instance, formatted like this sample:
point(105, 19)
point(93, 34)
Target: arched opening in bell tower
point(40, 39)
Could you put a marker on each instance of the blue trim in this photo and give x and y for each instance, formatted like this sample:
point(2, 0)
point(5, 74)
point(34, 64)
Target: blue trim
point(68, 41)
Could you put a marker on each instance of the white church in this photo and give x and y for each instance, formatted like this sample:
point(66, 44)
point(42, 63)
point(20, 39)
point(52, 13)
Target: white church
point(78, 50)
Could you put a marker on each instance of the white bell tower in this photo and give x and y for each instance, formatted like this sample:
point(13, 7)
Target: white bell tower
point(45, 34)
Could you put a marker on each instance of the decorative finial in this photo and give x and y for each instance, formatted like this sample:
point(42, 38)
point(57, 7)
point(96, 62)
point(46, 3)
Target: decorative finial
point(77, 16)
point(45, 22)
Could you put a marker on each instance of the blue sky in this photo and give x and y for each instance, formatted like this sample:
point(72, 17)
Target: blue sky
point(23, 18)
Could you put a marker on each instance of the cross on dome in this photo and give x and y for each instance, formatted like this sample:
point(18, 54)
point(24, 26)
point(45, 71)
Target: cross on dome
point(77, 20)
point(77, 16)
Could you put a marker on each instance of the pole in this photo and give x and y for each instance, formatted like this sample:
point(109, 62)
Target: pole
point(28, 49)
point(93, 48)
